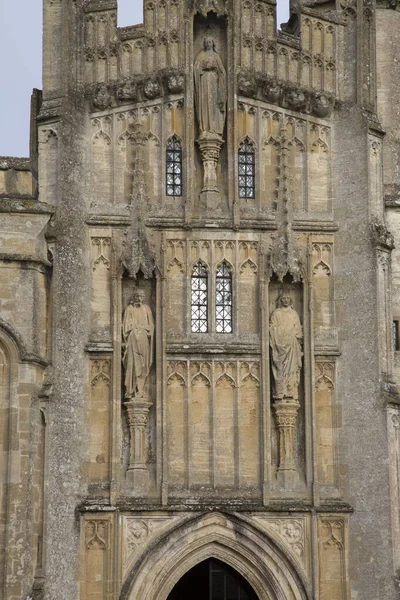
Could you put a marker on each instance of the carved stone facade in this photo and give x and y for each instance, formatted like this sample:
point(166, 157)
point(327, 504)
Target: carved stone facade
point(200, 304)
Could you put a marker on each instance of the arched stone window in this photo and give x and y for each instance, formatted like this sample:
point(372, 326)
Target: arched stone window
point(174, 167)
point(223, 299)
point(246, 171)
point(199, 299)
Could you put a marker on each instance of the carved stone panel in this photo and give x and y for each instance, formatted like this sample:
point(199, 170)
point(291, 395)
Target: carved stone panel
point(326, 421)
point(213, 417)
point(138, 532)
point(293, 532)
point(323, 292)
point(99, 421)
point(333, 579)
point(101, 286)
point(97, 535)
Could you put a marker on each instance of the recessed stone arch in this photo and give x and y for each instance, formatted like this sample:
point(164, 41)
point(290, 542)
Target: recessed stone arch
point(234, 540)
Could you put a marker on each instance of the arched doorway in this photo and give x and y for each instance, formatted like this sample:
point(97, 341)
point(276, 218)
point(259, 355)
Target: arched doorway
point(257, 556)
point(212, 580)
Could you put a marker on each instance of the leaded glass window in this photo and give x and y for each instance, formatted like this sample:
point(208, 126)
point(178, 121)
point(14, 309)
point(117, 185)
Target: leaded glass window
point(199, 289)
point(246, 170)
point(223, 300)
point(174, 167)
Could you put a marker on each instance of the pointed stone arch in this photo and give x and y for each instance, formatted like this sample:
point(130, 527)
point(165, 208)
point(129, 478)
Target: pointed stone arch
point(234, 540)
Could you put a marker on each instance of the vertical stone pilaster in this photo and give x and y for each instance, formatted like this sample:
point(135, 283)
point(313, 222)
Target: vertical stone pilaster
point(138, 419)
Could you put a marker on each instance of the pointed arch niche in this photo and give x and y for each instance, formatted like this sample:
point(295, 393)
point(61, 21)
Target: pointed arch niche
point(259, 560)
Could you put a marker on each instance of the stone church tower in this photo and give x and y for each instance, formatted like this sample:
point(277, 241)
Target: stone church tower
point(200, 307)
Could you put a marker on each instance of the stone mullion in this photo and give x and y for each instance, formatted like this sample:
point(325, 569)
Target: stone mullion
point(309, 366)
point(306, 142)
point(160, 389)
point(162, 476)
point(234, 51)
point(116, 425)
point(188, 458)
point(311, 466)
point(212, 421)
point(259, 160)
point(212, 290)
point(236, 287)
point(188, 291)
point(265, 396)
point(163, 166)
point(236, 431)
point(114, 155)
point(189, 126)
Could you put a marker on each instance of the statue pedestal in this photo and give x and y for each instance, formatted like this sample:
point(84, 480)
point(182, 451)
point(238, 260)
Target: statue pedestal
point(138, 419)
point(286, 415)
point(210, 145)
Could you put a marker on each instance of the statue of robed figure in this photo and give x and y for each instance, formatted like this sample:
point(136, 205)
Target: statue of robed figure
point(210, 101)
point(138, 334)
point(286, 354)
point(210, 89)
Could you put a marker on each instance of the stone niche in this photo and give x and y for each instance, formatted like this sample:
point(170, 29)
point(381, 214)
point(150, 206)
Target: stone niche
point(138, 388)
point(287, 390)
point(215, 28)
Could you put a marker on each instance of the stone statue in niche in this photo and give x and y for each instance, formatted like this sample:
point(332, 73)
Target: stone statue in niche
point(138, 334)
point(286, 354)
point(210, 89)
point(210, 100)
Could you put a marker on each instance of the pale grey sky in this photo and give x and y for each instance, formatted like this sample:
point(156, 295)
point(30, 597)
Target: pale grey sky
point(21, 52)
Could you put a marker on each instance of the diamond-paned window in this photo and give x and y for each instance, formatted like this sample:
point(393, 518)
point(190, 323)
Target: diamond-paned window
point(246, 157)
point(223, 300)
point(199, 290)
point(174, 167)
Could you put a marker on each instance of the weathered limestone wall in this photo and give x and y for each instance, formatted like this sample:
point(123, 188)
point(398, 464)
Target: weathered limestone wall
point(24, 271)
point(388, 82)
point(117, 488)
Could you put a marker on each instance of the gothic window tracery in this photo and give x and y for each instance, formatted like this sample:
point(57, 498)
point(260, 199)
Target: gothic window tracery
point(223, 299)
point(199, 300)
point(174, 167)
point(246, 160)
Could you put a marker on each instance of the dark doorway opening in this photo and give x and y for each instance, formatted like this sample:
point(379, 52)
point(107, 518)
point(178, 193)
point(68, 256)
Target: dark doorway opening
point(212, 580)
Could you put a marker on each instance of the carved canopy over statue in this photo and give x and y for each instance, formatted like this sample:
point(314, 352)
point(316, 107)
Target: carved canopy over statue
point(206, 6)
point(210, 89)
point(285, 335)
point(138, 333)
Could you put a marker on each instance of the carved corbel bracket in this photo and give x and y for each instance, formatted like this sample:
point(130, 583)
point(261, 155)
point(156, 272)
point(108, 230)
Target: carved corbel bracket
point(138, 420)
point(382, 237)
point(286, 416)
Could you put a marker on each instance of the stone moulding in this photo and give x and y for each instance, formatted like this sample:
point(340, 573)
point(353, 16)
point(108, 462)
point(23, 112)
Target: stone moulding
point(100, 5)
point(19, 344)
point(258, 86)
point(136, 89)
